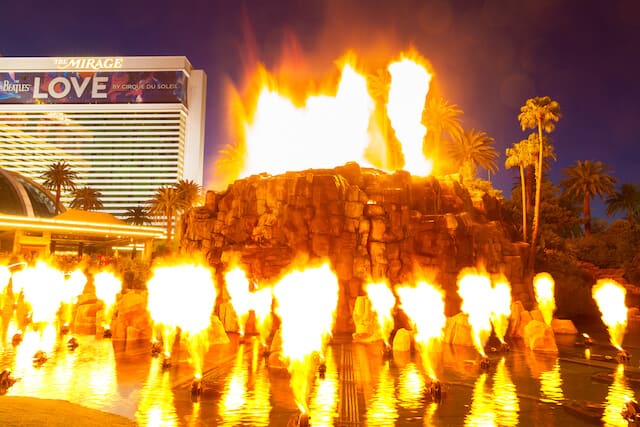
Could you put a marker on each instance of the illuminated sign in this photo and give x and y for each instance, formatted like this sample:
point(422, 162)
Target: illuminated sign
point(99, 87)
point(89, 63)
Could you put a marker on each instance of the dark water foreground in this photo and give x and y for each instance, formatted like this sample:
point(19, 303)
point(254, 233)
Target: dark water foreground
point(360, 388)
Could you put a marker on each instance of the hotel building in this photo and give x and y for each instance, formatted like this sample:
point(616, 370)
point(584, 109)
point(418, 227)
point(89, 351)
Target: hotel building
point(125, 125)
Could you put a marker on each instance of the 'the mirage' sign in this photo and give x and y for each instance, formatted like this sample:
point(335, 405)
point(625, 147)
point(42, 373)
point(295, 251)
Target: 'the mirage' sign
point(93, 87)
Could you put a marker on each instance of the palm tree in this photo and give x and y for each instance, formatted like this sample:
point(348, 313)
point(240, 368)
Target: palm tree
point(474, 148)
point(588, 179)
point(520, 155)
point(626, 200)
point(164, 203)
point(137, 215)
point(86, 198)
point(58, 177)
point(440, 117)
point(540, 113)
point(189, 191)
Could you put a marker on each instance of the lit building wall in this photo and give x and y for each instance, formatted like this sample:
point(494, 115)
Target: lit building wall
point(126, 125)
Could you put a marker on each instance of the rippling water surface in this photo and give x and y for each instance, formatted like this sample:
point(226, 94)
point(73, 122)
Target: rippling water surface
point(360, 385)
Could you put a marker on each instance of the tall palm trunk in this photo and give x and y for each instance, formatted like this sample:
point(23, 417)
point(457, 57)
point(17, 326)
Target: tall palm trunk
point(587, 214)
point(536, 211)
point(169, 214)
point(524, 205)
point(58, 191)
point(529, 184)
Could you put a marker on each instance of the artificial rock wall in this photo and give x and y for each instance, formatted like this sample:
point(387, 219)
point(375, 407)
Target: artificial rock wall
point(370, 225)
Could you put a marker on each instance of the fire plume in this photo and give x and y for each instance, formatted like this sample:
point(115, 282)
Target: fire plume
point(407, 94)
point(73, 287)
point(261, 301)
point(306, 303)
point(610, 297)
point(182, 296)
point(108, 285)
point(544, 288)
point(474, 288)
point(383, 301)
point(284, 129)
point(501, 307)
point(424, 304)
point(238, 287)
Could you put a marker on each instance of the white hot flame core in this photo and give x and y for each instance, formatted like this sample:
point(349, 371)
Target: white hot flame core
point(475, 290)
point(544, 288)
point(610, 297)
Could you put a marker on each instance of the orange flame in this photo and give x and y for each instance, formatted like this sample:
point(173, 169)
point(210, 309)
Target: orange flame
point(73, 286)
point(332, 127)
point(307, 301)
point(501, 307)
point(261, 301)
point(108, 285)
point(610, 297)
point(424, 304)
point(475, 290)
point(238, 287)
point(407, 93)
point(544, 287)
point(182, 296)
point(383, 301)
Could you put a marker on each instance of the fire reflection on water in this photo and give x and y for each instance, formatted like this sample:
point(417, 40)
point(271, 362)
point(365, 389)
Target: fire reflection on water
point(156, 402)
point(245, 397)
point(618, 395)
point(381, 408)
point(551, 385)
point(505, 401)
point(410, 388)
point(324, 398)
point(481, 412)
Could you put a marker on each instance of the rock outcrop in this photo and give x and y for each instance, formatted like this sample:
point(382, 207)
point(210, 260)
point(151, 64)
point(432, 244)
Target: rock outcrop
point(370, 225)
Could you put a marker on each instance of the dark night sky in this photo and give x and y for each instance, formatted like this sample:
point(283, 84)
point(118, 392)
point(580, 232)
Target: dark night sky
point(488, 56)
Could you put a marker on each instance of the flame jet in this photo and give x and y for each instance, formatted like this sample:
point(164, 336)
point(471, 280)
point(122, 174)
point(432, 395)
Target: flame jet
point(238, 287)
point(383, 301)
point(108, 285)
point(475, 290)
point(407, 93)
point(306, 305)
point(501, 307)
point(544, 288)
point(424, 304)
point(610, 297)
point(182, 296)
point(261, 301)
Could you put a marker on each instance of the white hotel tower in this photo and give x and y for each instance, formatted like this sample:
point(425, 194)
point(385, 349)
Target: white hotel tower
point(126, 125)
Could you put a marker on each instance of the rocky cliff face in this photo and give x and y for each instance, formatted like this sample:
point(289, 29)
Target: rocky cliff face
point(370, 225)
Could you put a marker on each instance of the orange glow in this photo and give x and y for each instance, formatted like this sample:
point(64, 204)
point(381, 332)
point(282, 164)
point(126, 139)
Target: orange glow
point(505, 400)
point(424, 304)
point(619, 394)
point(383, 301)
point(108, 285)
point(544, 288)
point(329, 123)
point(182, 296)
point(325, 132)
point(73, 286)
point(610, 297)
point(407, 94)
point(261, 301)
point(5, 275)
point(474, 287)
point(238, 287)
point(501, 307)
point(481, 412)
point(306, 304)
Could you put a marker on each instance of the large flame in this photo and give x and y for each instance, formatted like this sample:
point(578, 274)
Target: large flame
point(383, 301)
point(326, 131)
point(73, 287)
point(610, 297)
point(501, 307)
point(239, 290)
point(42, 287)
point(474, 287)
point(306, 304)
point(424, 304)
point(407, 93)
point(544, 288)
point(333, 126)
point(261, 301)
point(108, 285)
point(182, 296)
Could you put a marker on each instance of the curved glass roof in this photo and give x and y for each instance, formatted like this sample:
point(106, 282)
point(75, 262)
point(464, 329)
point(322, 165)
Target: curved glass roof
point(20, 195)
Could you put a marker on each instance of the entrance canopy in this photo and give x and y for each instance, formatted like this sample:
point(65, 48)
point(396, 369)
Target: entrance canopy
point(75, 229)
